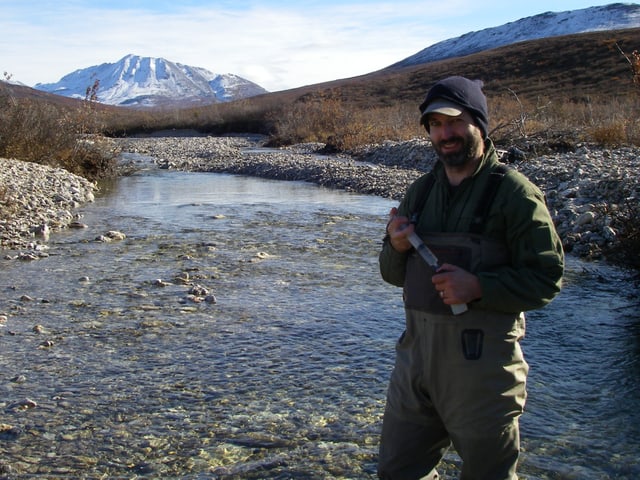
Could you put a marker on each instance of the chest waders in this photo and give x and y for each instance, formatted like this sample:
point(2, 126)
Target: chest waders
point(457, 379)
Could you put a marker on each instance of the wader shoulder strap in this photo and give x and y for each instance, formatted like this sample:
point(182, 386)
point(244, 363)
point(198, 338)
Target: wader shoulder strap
point(488, 195)
point(482, 209)
point(421, 198)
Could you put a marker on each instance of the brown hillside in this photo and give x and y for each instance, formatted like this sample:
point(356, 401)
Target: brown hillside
point(566, 67)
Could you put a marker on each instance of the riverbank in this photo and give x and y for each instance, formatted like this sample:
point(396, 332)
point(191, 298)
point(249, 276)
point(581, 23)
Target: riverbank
point(35, 201)
point(581, 186)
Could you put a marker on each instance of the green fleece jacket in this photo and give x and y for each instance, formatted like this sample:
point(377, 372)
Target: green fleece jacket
point(518, 217)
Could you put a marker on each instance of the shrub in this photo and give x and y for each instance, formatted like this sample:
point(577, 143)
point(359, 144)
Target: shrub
point(41, 132)
point(610, 134)
point(332, 121)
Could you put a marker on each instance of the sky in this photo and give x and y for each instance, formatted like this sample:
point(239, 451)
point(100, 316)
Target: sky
point(277, 44)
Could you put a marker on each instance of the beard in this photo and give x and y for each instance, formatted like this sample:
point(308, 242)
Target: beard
point(470, 149)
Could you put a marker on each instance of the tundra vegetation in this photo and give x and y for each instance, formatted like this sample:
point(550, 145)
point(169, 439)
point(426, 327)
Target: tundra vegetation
point(345, 115)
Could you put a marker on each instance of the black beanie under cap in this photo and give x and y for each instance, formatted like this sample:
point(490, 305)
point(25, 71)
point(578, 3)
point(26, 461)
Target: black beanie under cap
point(463, 92)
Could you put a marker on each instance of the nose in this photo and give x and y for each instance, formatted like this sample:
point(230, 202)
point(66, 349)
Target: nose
point(447, 131)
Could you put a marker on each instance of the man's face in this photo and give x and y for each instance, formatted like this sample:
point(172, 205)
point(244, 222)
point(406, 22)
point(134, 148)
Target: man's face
point(456, 140)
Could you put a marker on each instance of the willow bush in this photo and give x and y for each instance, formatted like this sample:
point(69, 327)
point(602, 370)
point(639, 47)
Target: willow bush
point(48, 134)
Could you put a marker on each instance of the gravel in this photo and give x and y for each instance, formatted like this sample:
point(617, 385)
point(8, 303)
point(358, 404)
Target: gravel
point(35, 201)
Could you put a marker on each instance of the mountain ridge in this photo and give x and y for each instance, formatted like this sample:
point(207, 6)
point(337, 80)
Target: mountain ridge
point(615, 16)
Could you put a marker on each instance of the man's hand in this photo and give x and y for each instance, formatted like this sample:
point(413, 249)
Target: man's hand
point(398, 228)
point(456, 285)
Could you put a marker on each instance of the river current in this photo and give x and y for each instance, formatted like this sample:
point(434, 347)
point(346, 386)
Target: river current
point(117, 361)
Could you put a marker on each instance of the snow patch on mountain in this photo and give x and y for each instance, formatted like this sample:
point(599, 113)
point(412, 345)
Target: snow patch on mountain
point(615, 16)
point(147, 81)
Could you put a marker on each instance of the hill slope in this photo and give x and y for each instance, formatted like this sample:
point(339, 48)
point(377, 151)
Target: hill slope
point(564, 67)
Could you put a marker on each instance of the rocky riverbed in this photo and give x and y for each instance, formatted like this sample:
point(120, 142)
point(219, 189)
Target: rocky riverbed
point(583, 187)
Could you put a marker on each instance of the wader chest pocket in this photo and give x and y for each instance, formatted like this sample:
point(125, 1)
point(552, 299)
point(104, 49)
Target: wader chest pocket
point(472, 343)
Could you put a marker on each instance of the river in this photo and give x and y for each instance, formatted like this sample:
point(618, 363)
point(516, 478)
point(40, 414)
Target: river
point(242, 330)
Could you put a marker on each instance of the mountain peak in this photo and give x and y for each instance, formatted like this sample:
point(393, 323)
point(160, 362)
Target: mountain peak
point(152, 81)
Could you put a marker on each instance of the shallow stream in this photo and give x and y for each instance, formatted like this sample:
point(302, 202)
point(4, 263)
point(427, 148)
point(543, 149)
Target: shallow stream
point(117, 362)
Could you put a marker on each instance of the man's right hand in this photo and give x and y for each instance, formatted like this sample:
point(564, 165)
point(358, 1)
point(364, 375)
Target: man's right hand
point(398, 229)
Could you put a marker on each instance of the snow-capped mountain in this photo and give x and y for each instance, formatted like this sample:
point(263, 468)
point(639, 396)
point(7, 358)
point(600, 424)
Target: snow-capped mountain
point(146, 81)
point(615, 16)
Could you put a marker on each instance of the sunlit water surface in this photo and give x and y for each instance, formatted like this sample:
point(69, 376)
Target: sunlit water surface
point(285, 375)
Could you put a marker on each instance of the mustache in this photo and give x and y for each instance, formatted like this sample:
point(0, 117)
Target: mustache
point(450, 140)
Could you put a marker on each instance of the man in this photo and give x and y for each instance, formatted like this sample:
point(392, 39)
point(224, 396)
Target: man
point(460, 379)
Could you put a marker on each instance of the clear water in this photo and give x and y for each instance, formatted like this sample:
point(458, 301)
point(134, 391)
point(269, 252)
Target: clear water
point(285, 375)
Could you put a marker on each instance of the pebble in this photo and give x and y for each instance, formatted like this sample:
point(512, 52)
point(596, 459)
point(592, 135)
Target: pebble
point(111, 236)
point(24, 404)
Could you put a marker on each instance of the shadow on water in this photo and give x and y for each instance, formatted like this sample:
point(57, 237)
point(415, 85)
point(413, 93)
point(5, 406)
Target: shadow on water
point(115, 365)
